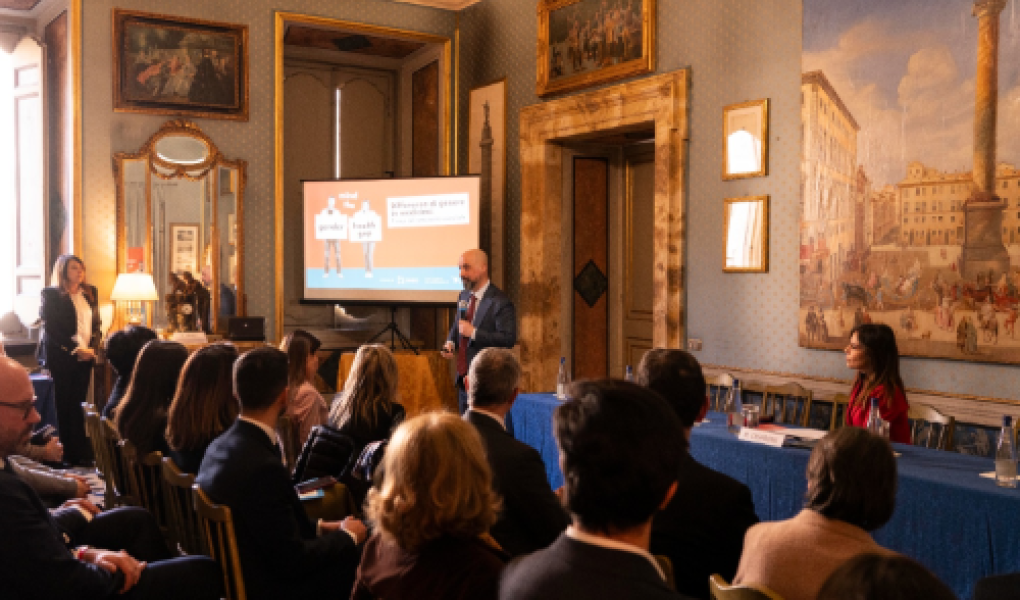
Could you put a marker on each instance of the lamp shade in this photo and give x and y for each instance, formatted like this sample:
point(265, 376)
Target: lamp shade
point(134, 286)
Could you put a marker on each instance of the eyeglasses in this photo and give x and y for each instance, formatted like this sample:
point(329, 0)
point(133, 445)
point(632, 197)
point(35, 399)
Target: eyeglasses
point(855, 347)
point(28, 406)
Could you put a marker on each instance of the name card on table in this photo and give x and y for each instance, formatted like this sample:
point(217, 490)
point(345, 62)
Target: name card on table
point(760, 436)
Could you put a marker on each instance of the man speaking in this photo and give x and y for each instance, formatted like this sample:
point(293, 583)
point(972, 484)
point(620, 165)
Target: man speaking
point(485, 318)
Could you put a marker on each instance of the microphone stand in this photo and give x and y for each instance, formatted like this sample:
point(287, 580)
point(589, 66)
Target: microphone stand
point(394, 334)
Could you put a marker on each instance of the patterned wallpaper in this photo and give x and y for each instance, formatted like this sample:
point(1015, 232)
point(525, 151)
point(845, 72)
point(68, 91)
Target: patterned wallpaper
point(106, 132)
point(737, 50)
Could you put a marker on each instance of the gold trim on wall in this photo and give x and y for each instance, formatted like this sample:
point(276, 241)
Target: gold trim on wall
point(281, 20)
point(77, 244)
point(764, 171)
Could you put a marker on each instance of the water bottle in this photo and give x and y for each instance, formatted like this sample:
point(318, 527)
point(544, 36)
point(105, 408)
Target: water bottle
point(874, 424)
point(630, 373)
point(562, 379)
point(1005, 456)
point(734, 408)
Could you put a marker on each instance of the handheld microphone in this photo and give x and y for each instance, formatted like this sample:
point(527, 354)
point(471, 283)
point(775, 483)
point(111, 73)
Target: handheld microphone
point(462, 307)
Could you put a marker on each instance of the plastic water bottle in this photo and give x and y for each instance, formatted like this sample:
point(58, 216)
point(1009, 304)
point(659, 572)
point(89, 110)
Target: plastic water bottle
point(874, 424)
point(630, 373)
point(734, 408)
point(562, 379)
point(1005, 456)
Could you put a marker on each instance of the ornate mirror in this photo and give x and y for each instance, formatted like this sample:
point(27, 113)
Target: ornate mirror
point(180, 214)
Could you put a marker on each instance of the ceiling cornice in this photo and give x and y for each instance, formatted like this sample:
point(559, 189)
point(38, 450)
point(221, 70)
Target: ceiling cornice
point(443, 4)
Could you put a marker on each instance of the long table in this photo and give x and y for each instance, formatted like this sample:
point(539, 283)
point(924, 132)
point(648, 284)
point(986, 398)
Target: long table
point(960, 525)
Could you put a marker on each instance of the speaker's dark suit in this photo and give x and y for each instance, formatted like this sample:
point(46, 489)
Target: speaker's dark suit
point(573, 569)
point(35, 561)
point(281, 556)
point(532, 516)
point(70, 375)
point(495, 323)
point(702, 529)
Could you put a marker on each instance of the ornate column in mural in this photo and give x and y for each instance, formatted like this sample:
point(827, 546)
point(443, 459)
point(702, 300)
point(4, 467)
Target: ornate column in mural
point(983, 250)
point(486, 183)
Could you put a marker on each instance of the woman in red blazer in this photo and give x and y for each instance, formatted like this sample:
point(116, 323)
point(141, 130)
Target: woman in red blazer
point(70, 339)
point(873, 354)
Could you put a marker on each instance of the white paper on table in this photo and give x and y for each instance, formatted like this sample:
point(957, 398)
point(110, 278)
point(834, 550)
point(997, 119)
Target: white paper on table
point(805, 433)
point(991, 475)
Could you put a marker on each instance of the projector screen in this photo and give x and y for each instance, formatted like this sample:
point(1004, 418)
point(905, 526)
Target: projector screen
point(388, 240)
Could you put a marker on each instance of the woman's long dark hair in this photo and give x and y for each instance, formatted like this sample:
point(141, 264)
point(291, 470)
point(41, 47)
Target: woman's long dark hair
point(142, 414)
point(204, 405)
point(299, 346)
point(883, 356)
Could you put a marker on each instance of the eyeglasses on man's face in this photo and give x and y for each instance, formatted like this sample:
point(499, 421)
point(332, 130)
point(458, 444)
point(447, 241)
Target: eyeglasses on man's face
point(25, 407)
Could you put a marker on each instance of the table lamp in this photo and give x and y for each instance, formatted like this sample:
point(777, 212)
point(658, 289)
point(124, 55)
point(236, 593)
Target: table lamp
point(134, 288)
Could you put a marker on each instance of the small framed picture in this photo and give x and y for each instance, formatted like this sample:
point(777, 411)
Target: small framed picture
point(746, 140)
point(184, 247)
point(746, 235)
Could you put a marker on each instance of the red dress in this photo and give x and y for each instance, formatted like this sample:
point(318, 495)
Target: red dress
point(894, 411)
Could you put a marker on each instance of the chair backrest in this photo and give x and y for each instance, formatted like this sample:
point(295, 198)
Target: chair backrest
point(288, 430)
point(723, 591)
point(144, 478)
point(667, 569)
point(183, 521)
point(930, 428)
point(118, 487)
point(840, 404)
point(218, 528)
point(718, 387)
point(788, 403)
point(94, 431)
point(750, 389)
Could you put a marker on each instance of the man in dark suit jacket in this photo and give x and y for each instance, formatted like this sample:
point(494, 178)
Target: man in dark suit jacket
point(702, 530)
point(620, 455)
point(531, 517)
point(486, 318)
point(283, 553)
point(35, 559)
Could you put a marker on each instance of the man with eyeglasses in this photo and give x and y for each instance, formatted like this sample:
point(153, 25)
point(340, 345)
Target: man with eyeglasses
point(36, 556)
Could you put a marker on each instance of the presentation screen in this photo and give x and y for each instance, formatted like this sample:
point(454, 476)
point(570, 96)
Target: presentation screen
point(388, 240)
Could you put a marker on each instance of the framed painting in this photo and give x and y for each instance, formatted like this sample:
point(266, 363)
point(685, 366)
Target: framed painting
point(184, 244)
point(746, 140)
point(487, 157)
point(171, 65)
point(587, 42)
point(746, 235)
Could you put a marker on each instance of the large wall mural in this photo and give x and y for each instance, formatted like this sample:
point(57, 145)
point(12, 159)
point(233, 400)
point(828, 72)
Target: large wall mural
point(910, 113)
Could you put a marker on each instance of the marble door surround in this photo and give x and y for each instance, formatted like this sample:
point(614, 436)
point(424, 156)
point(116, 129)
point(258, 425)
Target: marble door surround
point(660, 103)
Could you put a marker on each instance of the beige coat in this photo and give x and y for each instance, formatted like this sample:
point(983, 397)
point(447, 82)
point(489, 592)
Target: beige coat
point(794, 557)
point(308, 409)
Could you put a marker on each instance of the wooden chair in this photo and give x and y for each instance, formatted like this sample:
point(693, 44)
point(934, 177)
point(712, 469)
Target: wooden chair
point(144, 477)
point(718, 387)
point(94, 431)
point(218, 530)
point(753, 389)
point(183, 521)
point(288, 431)
point(778, 401)
point(118, 488)
point(723, 591)
point(840, 404)
point(924, 421)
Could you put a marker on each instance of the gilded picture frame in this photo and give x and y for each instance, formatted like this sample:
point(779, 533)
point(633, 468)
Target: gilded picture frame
point(185, 241)
point(746, 140)
point(487, 127)
point(746, 235)
point(170, 65)
point(582, 43)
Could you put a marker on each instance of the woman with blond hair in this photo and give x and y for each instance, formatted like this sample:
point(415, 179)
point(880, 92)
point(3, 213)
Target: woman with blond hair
point(367, 410)
point(306, 406)
point(432, 510)
point(70, 340)
point(203, 406)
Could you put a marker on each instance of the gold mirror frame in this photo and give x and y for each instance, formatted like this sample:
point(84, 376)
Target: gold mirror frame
point(758, 110)
point(193, 172)
point(762, 251)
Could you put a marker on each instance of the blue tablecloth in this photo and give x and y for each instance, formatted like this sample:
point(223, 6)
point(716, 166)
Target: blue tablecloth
point(45, 400)
point(961, 526)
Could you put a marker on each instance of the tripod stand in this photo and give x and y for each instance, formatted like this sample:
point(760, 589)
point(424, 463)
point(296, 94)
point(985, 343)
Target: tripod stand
point(394, 334)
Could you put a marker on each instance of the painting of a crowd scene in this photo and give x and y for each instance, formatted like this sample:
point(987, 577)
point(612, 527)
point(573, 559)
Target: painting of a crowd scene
point(174, 65)
point(911, 189)
point(585, 42)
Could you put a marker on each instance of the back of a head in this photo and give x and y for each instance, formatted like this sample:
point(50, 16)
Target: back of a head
point(299, 346)
point(260, 376)
point(620, 448)
point(492, 377)
point(437, 482)
point(124, 346)
point(141, 416)
point(852, 478)
point(677, 377)
point(371, 386)
point(204, 404)
point(882, 577)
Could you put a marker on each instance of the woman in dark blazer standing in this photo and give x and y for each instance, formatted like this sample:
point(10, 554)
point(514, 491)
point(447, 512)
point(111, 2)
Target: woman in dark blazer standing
point(70, 340)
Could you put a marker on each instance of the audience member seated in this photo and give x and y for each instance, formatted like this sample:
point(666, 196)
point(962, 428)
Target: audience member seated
point(51, 452)
point(883, 577)
point(532, 516)
point(367, 408)
point(851, 490)
point(620, 456)
point(52, 485)
point(35, 557)
point(122, 350)
point(306, 408)
point(702, 530)
point(432, 512)
point(872, 352)
point(142, 415)
point(283, 553)
point(204, 405)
